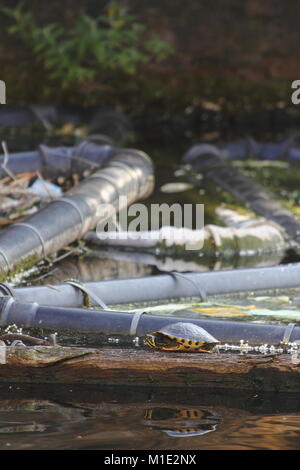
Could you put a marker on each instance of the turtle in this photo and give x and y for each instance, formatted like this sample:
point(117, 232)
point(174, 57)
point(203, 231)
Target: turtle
point(182, 336)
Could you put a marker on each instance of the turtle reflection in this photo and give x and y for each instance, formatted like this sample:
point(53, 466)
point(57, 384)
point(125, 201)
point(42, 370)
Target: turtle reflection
point(182, 422)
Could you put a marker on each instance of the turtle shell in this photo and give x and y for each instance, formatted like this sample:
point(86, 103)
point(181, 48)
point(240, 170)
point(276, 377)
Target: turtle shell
point(182, 337)
point(188, 331)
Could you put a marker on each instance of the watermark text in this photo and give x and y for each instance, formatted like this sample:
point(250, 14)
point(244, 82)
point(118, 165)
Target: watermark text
point(2, 92)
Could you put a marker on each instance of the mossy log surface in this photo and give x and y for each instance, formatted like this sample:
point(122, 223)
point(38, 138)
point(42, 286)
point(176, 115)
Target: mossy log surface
point(40, 364)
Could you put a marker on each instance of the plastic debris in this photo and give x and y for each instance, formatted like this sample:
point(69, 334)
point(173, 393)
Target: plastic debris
point(45, 189)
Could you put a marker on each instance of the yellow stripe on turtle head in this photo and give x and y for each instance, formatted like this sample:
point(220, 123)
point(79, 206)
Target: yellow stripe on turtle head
point(151, 342)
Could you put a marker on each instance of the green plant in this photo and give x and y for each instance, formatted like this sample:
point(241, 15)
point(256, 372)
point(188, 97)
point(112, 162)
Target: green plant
point(92, 47)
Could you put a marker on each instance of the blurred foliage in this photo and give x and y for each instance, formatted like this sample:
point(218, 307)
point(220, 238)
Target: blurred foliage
point(91, 48)
point(228, 59)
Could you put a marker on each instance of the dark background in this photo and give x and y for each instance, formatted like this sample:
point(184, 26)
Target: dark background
point(229, 56)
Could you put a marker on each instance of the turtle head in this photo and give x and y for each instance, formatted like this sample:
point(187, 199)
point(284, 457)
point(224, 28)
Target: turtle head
point(150, 341)
point(161, 341)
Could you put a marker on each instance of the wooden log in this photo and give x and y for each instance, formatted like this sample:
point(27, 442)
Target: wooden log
point(108, 366)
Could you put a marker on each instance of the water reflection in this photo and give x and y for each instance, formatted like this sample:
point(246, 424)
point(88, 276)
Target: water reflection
point(182, 422)
point(275, 432)
point(91, 268)
point(191, 262)
point(108, 264)
point(131, 418)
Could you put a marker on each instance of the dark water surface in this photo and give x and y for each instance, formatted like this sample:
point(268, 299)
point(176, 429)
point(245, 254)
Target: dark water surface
point(66, 417)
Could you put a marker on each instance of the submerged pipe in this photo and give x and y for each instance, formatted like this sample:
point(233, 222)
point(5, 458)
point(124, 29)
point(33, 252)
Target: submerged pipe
point(53, 162)
point(129, 173)
point(32, 315)
point(166, 286)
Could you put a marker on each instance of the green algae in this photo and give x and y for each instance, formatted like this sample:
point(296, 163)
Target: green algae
point(20, 268)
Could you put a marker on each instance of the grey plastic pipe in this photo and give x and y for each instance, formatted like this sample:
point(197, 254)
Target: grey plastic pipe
point(32, 315)
point(53, 162)
point(249, 148)
point(166, 286)
point(129, 173)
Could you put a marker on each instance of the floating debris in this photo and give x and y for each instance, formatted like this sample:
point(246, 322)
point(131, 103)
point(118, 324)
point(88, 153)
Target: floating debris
point(45, 189)
point(176, 187)
point(244, 348)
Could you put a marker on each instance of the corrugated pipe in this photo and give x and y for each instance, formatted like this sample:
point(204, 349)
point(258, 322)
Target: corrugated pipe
point(129, 173)
point(209, 160)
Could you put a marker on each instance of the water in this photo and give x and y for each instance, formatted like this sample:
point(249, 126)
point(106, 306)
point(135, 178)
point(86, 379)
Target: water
point(80, 417)
point(65, 417)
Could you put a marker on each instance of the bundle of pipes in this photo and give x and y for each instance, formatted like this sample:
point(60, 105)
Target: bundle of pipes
point(129, 173)
point(53, 162)
point(210, 161)
point(53, 307)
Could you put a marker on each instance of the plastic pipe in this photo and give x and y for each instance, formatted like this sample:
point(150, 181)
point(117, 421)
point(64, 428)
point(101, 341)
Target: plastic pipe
point(62, 221)
point(166, 286)
point(32, 315)
point(58, 161)
point(16, 116)
point(249, 148)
